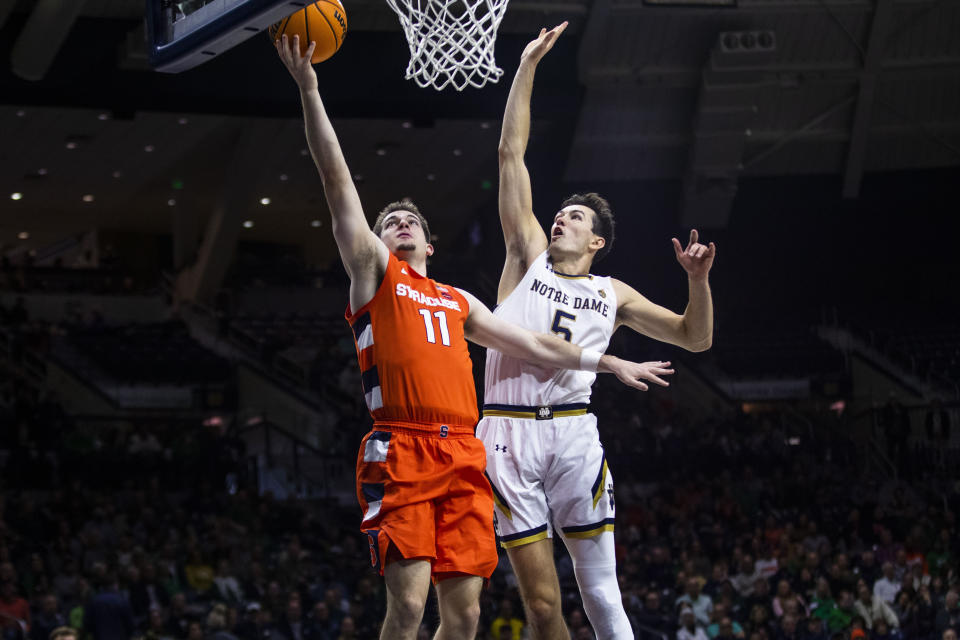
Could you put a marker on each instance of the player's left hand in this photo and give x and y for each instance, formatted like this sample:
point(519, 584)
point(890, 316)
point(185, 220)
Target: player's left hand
point(538, 47)
point(697, 258)
point(633, 374)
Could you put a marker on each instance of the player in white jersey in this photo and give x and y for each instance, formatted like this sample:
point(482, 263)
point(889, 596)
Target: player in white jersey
point(544, 457)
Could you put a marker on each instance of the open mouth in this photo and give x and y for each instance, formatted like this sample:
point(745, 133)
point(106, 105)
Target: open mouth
point(557, 232)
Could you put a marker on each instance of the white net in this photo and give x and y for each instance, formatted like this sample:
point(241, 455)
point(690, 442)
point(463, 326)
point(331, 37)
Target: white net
point(451, 41)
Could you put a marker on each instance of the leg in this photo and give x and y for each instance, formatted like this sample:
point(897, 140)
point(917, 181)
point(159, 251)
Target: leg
point(459, 602)
point(539, 588)
point(408, 583)
point(595, 565)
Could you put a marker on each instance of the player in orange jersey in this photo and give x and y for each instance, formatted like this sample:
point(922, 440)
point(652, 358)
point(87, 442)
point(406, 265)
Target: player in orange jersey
point(428, 508)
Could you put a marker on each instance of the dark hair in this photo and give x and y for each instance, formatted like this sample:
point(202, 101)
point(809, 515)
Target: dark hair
point(603, 222)
point(405, 204)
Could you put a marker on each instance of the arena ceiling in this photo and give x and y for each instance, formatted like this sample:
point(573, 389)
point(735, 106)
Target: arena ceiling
point(632, 92)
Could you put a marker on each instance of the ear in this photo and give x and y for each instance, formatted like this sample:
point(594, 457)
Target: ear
point(429, 249)
point(597, 243)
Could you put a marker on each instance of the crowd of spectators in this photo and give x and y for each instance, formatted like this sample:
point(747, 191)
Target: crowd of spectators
point(767, 542)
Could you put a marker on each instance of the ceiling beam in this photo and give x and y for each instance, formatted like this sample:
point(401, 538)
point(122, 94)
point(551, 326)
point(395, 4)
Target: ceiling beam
point(860, 131)
point(6, 6)
point(42, 36)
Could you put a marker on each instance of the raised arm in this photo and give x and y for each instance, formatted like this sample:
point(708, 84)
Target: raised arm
point(364, 255)
point(694, 329)
point(522, 233)
point(487, 330)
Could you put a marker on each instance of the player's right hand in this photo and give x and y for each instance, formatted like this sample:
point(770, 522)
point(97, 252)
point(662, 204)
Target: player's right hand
point(298, 66)
point(633, 374)
point(536, 49)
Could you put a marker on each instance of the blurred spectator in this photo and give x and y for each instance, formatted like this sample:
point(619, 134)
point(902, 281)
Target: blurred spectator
point(145, 591)
point(871, 607)
point(784, 594)
point(12, 605)
point(506, 618)
point(108, 616)
point(227, 586)
point(217, 625)
point(949, 615)
point(689, 629)
point(699, 603)
point(654, 615)
point(887, 587)
point(47, 619)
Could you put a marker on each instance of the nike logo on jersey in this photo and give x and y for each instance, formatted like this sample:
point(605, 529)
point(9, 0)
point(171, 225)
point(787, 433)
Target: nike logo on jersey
point(556, 295)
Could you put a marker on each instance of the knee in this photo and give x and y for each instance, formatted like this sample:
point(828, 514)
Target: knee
point(542, 608)
point(406, 610)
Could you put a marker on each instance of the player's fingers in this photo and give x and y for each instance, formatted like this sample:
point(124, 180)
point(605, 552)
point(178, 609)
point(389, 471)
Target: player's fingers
point(662, 383)
point(677, 247)
point(713, 249)
point(309, 54)
point(698, 250)
point(640, 385)
point(694, 236)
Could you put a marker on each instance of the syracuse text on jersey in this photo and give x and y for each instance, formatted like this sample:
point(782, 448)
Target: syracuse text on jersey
point(409, 292)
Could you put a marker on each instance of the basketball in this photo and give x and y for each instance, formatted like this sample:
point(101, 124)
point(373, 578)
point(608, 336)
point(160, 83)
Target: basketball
point(324, 21)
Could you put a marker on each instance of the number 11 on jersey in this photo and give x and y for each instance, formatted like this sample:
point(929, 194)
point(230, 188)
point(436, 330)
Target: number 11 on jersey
point(441, 317)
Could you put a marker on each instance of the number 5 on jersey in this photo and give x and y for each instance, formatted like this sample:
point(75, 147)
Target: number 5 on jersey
point(560, 329)
point(441, 317)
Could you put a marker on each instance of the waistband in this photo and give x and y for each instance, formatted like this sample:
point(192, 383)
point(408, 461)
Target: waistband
point(534, 413)
point(438, 429)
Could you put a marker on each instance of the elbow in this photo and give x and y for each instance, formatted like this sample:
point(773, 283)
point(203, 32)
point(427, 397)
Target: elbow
point(508, 151)
point(700, 345)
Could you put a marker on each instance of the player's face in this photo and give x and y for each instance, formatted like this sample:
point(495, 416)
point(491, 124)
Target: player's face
point(572, 230)
point(403, 234)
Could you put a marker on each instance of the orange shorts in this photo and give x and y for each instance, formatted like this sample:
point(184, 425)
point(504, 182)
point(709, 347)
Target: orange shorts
point(423, 490)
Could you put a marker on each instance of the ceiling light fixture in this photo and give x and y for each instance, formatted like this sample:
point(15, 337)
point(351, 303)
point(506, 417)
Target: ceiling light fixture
point(315, 223)
point(88, 197)
point(264, 201)
point(148, 148)
point(23, 235)
point(16, 195)
point(248, 224)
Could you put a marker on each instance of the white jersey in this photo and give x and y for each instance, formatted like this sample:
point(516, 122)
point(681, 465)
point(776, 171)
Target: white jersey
point(578, 308)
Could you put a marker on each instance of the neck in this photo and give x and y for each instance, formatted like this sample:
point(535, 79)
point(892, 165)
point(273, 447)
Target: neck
point(572, 265)
point(418, 263)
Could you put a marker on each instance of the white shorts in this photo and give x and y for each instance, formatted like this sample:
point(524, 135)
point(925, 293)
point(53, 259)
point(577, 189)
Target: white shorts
point(546, 474)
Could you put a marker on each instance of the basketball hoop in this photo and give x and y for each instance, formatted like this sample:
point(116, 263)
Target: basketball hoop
point(451, 41)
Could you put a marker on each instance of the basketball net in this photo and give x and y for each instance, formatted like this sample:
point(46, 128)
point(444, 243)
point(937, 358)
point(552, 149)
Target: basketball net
point(451, 41)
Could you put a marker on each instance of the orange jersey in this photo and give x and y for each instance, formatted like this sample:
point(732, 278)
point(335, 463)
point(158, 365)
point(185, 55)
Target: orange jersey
point(413, 356)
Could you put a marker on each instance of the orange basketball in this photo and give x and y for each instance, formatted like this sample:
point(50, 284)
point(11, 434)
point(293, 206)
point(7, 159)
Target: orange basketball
point(324, 21)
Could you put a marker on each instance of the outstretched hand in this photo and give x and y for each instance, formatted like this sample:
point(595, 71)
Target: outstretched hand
point(298, 66)
point(633, 374)
point(536, 49)
point(697, 258)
